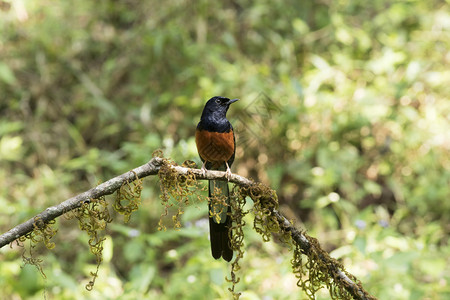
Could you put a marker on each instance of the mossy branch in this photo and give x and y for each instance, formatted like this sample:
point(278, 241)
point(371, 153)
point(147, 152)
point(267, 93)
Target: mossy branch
point(106, 188)
point(303, 243)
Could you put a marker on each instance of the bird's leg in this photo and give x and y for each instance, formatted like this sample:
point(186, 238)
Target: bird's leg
point(228, 171)
point(204, 168)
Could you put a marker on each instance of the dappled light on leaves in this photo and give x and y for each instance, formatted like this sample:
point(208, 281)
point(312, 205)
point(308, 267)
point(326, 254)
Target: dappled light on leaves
point(344, 112)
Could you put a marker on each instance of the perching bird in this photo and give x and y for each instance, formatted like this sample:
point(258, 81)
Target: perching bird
point(216, 146)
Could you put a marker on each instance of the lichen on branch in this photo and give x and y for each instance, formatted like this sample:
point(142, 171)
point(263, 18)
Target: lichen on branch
point(181, 185)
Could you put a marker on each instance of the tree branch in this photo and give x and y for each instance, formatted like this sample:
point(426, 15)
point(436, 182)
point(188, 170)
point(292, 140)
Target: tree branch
point(106, 188)
point(152, 168)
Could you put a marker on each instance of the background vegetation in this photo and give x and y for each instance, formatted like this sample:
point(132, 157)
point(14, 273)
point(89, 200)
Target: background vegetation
point(344, 111)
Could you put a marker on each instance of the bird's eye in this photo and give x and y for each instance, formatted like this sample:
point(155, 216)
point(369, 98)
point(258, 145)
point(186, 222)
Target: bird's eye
point(218, 101)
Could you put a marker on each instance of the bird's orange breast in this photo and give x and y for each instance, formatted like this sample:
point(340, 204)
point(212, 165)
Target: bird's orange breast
point(215, 147)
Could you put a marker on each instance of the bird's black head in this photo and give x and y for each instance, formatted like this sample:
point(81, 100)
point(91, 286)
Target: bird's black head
point(217, 107)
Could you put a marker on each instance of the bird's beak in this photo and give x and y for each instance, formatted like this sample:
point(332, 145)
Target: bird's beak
point(232, 101)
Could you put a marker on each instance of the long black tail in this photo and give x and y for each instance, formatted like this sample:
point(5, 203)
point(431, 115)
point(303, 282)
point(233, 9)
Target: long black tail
point(219, 220)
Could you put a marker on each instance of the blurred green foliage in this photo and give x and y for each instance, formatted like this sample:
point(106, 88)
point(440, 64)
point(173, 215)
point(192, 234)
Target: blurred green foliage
point(344, 110)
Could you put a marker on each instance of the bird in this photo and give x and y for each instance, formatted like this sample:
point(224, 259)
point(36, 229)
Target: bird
point(216, 146)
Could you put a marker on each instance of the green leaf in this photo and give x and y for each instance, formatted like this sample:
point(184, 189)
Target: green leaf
point(6, 74)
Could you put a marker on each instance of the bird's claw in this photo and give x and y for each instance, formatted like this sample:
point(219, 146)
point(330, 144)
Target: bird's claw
point(228, 172)
point(203, 169)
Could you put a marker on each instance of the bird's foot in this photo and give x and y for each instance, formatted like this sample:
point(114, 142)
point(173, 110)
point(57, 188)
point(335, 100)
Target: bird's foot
point(203, 169)
point(228, 171)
